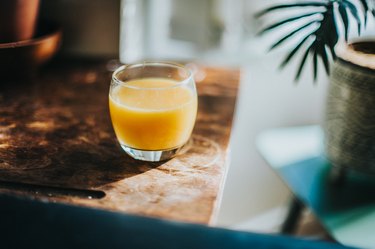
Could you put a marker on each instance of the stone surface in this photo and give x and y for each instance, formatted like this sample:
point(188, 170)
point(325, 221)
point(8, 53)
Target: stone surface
point(55, 132)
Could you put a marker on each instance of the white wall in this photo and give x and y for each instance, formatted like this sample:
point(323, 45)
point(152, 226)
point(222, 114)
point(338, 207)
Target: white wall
point(267, 98)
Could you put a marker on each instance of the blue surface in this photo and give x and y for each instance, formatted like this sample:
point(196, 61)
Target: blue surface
point(33, 224)
point(310, 180)
point(346, 210)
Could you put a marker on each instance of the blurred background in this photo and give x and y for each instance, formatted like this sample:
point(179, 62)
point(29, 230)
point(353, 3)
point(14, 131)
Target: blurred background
point(216, 33)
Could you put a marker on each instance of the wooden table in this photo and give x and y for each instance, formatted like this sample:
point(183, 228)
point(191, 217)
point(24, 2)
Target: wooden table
point(57, 144)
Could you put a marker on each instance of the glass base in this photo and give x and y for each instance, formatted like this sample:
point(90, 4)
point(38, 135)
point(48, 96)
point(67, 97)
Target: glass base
point(153, 155)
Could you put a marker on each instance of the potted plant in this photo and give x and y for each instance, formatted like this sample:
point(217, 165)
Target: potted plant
point(349, 121)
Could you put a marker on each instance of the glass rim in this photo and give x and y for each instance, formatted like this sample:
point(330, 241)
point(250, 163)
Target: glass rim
point(153, 63)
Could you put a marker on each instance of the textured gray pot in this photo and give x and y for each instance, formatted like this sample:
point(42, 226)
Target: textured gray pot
point(350, 114)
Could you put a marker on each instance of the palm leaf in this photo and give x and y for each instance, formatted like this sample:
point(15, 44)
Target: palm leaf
point(303, 61)
point(315, 63)
point(294, 51)
point(345, 20)
point(287, 6)
point(291, 34)
point(354, 12)
point(325, 37)
point(328, 32)
point(333, 53)
point(365, 9)
point(275, 25)
point(324, 57)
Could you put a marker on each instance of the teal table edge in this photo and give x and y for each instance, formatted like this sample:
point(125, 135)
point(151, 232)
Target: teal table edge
point(27, 223)
point(347, 211)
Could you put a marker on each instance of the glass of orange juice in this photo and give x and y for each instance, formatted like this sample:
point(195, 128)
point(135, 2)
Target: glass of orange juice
point(153, 106)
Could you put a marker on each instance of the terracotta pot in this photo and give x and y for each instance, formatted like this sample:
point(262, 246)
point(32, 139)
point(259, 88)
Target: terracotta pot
point(17, 19)
point(350, 117)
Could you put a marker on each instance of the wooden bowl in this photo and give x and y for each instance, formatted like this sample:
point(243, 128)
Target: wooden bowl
point(19, 60)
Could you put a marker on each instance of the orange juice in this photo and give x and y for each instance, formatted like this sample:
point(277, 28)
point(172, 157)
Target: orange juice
point(153, 113)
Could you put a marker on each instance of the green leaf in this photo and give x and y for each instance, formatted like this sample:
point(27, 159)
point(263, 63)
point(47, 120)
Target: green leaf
point(294, 51)
point(290, 35)
point(324, 57)
point(344, 17)
point(275, 25)
point(287, 6)
point(365, 9)
point(324, 37)
point(315, 63)
point(303, 61)
point(333, 53)
point(354, 12)
point(328, 32)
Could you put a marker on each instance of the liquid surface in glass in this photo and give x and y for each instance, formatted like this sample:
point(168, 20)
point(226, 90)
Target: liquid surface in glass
point(153, 113)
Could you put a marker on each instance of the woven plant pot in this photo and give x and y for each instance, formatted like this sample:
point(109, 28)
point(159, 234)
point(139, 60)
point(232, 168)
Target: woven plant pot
point(350, 114)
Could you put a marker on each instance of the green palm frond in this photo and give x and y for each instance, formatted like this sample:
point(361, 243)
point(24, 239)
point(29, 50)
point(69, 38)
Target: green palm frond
point(353, 9)
point(275, 25)
point(287, 6)
point(286, 37)
point(365, 10)
point(320, 43)
point(325, 59)
point(294, 51)
point(345, 20)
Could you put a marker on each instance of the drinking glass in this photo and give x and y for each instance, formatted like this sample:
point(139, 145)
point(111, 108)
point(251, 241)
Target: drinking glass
point(153, 106)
